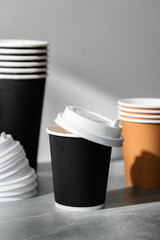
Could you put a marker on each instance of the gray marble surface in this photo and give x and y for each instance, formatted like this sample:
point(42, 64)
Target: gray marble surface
point(129, 213)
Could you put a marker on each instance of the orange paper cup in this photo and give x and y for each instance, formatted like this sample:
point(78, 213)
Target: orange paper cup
point(141, 150)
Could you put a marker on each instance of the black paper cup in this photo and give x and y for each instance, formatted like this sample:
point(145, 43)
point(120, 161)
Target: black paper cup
point(80, 171)
point(21, 102)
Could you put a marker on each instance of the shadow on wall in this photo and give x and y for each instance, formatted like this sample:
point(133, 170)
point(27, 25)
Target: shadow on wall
point(145, 171)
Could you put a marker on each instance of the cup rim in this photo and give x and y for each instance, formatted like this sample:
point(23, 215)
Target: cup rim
point(146, 103)
point(136, 110)
point(22, 51)
point(22, 70)
point(23, 64)
point(70, 135)
point(22, 76)
point(23, 58)
point(123, 114)
point(23, 43)
point(139, 120)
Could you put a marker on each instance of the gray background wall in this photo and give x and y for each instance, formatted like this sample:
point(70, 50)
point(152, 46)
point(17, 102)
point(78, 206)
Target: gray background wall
point(100, 51)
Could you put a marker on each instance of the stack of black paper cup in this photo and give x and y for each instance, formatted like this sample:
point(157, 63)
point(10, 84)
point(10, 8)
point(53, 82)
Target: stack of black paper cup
point(23, 71)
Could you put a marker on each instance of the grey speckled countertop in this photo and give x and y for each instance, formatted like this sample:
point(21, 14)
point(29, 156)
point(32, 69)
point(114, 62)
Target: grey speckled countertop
point(130, 213)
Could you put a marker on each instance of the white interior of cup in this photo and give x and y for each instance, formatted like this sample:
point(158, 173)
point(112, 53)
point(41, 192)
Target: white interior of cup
point(59, 131)
point(140, 102)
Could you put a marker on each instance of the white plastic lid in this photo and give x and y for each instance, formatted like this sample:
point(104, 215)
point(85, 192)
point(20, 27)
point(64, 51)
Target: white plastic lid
point(90, 126)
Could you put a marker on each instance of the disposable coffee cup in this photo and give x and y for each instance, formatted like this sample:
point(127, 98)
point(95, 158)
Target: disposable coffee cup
point(80, 158)
point(140, 119)
point(21, 102)
point(141, 151)
point(80, 170)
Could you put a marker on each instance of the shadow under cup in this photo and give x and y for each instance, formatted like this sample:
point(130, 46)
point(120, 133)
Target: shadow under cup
point(80, 170)
point(21, 102)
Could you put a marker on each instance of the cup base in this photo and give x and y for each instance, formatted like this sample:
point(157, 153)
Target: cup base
point(78, 209)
